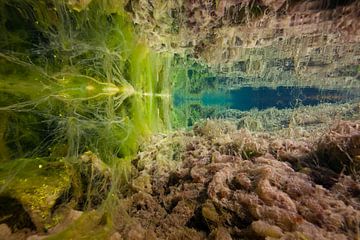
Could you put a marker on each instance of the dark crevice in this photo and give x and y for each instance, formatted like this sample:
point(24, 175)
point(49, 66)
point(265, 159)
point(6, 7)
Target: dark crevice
point(198, 222)
point(324, 177)
point(14, 215)
point(64, 198)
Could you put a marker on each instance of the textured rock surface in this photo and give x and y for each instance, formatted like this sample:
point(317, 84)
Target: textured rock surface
point(340, 148)
point(268, 42)
point(225, 183)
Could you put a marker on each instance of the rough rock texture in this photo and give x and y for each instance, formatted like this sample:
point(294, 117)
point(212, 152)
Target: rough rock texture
point(260, 42)
point(224, 183)
point(340, 148)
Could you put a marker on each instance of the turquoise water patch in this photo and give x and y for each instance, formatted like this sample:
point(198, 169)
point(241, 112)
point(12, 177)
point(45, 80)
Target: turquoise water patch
point(261, 98)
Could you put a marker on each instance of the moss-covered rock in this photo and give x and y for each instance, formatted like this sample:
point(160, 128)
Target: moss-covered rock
point(36, 184)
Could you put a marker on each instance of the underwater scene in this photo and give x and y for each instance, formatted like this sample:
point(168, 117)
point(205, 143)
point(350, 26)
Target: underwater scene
point(179, 119)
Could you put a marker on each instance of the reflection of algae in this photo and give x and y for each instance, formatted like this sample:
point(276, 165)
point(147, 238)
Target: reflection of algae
point(86, 72)
point(74, 77)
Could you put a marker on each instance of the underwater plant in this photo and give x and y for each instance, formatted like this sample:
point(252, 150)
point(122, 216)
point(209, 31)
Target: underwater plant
point(79, 67)
point(88, 87)
point(76, 79)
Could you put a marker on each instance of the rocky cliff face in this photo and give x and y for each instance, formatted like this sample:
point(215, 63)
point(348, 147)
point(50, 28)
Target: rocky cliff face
point(261, 42)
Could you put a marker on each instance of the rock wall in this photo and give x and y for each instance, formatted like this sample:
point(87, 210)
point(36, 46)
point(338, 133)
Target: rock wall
point(261, 42)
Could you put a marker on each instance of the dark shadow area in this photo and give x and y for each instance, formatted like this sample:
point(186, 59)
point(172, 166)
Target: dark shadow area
point(14, 215)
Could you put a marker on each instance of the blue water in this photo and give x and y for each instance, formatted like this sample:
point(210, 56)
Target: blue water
point(247, 98)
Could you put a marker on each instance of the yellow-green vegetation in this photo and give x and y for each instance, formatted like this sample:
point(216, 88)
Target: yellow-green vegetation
point(75, 78)
point(80, 68)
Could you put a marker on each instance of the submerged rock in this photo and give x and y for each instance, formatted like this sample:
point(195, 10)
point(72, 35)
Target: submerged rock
point(66, 217)
point(40, 194)
point(215, 193)
point(197, 185)
point(5, 231)
point(32, 187)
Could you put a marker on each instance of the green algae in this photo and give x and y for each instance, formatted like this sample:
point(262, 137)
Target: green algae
point(90, 225)
point(80, 90)
point(42, 187)
point(83, 70)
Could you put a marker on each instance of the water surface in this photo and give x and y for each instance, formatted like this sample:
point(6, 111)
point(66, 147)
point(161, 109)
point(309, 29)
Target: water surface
point(247, 98)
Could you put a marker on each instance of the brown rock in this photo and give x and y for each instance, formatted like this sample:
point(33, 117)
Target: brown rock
point(5, 231)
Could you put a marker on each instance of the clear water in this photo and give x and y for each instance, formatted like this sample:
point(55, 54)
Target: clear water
point(261, 98)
